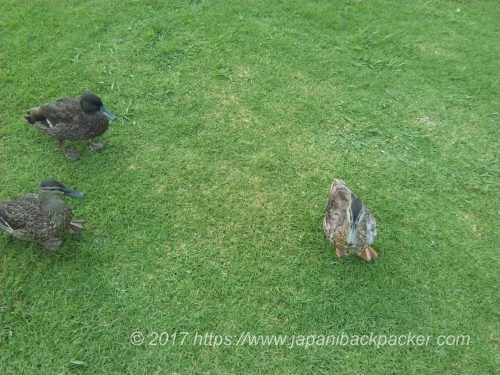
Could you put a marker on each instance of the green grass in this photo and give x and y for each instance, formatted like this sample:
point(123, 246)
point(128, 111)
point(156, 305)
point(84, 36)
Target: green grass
point(204, 211)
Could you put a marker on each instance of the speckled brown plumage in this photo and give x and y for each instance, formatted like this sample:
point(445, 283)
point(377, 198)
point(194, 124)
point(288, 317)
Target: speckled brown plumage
point(41, 217)
point(348, 223)
point(72, 119)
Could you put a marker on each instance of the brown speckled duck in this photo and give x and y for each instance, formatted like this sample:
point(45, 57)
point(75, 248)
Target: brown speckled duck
point(73, 119)
point(348, 223)
point(41, 217)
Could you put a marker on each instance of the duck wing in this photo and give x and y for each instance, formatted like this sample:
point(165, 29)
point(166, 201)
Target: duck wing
point(52, 115)
point(19, 213)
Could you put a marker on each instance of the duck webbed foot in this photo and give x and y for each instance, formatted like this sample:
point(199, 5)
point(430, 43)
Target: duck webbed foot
point(368, 254)
point(70, 154)
point(52, 244)
point(95, 146)
point(76, 226)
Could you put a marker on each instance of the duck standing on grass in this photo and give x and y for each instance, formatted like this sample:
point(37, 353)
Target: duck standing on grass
point(41, 217)
point(348, 223)
point(73, 119)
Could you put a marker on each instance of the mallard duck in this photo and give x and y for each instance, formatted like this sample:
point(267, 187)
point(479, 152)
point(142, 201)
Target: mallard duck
point(41, 217)
point(73, 119)
point(348, 223)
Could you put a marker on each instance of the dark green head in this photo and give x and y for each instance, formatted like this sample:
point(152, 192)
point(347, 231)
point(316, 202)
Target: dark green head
point(56, 188)
point(91, 104)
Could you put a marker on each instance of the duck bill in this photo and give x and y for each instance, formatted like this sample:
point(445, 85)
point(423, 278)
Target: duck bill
point(107, 114)
point(74, 194)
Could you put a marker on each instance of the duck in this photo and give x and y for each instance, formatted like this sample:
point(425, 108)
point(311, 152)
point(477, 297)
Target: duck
point(41, 217)
point(348, 224)
point(73, 119)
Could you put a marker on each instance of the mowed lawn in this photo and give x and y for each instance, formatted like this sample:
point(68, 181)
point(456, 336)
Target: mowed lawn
point(204, 210)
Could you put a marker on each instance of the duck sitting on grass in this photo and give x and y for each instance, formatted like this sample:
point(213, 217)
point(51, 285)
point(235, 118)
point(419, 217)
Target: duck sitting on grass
point(348, 223)
point(41, 217)
point(73, 119)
